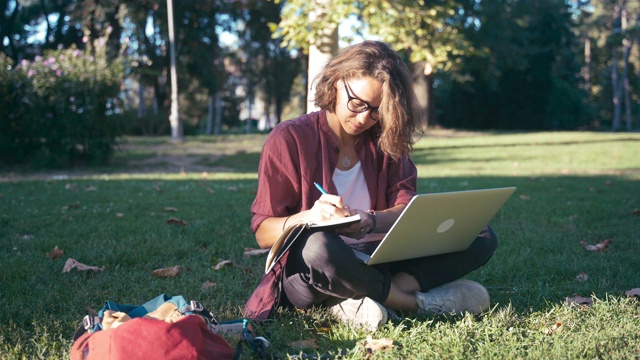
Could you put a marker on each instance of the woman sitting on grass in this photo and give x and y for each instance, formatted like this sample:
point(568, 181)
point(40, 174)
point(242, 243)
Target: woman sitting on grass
point(358, 148)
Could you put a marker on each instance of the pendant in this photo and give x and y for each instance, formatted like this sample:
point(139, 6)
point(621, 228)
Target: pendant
point(346, 162)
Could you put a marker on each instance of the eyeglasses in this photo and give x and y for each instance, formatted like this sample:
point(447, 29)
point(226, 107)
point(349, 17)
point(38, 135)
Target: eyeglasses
point(357, 106)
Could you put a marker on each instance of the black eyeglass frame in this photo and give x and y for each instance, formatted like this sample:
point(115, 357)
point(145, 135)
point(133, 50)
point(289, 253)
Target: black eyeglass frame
point(374, 114)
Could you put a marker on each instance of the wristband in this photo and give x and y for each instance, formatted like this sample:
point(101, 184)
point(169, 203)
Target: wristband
point(375, 221)
point(285, 222)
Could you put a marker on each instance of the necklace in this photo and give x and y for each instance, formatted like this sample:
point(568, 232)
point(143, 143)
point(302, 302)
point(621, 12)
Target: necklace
point(346, 162)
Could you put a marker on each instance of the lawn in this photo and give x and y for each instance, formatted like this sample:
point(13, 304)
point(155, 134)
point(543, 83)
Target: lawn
point(574, 188)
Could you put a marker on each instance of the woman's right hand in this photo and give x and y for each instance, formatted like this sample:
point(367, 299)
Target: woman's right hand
point(328, 207)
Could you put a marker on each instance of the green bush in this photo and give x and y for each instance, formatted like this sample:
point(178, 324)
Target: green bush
point(60, 109)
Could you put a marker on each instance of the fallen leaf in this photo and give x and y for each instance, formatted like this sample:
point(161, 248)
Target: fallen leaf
point(222, 264)
point(582, 277)
point(372, 345)
point(579, 300)
point(525, 197)
point(72, 206)
point(73, 263)
point(636, 212)
point(254, 252)
point(120, 215)
point(633, 292)
point(207, 284)
point(170, 209)
point(90, 188)
point(304, 344)
point(167, 272)
point(175, 221)
point(56, 253)
point(601, 246)
point(555, 328)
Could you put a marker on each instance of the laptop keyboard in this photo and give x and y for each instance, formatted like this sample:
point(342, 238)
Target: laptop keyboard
point(367, 247)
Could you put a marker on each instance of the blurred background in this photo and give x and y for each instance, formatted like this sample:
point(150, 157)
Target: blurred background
point(78, 74)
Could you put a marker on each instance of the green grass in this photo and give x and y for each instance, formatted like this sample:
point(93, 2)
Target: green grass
point(572, 187)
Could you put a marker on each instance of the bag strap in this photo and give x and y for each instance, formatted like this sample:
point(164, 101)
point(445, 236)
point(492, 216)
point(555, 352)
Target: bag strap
point(244, 329)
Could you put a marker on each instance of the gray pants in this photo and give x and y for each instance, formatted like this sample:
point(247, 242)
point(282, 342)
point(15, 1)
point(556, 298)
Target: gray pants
point(322, 269)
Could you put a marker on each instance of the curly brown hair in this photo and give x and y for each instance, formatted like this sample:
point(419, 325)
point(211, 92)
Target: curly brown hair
point(399, 107)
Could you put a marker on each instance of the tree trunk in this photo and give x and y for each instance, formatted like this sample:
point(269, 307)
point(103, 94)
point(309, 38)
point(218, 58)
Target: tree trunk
point(587, 64)
point(421, 88)
point(209, 127)
point(174, 118)
point(322, 50)
point(626, 50)
point(142, 108)
point(218, 114)
point(617, 89)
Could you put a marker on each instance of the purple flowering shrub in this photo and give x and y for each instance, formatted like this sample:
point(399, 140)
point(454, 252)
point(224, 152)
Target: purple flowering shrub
point(60, 109)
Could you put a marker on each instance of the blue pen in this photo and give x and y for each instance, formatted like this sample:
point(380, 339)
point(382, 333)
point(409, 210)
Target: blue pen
point(322, 190)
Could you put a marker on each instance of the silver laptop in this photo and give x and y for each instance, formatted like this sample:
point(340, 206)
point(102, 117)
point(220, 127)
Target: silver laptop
point(433, 224)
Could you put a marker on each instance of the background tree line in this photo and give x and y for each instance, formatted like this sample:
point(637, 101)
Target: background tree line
point(478, 64)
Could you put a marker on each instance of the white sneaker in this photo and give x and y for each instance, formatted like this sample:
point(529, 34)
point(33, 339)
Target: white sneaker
point(361, 312)
point(458, 297)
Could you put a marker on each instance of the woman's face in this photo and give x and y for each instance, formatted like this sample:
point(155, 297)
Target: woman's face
point(363, 92)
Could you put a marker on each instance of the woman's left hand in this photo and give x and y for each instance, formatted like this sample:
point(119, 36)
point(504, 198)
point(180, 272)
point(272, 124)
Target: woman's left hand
point(360, 229)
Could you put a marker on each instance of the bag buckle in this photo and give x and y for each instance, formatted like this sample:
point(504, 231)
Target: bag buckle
point(88, 322)
point(196, 306)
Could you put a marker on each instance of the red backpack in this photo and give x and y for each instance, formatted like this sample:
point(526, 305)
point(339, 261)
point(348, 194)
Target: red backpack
point(162, 328)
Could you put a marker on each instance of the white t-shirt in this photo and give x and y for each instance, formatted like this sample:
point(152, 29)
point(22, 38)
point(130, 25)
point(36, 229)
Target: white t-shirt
point(352, 187)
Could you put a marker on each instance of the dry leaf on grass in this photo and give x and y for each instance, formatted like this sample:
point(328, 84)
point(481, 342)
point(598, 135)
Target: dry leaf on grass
point(120, 215)
point(73, 263)
point(636, 212)
point(579, 300)
point(582, 277)
point(56, 253)
point(555, 328)
point(222, 264)
point(254, 252)
point(91, 311)
point(167, 272)
point(525, 197)
point(90, 188)
point(372, 345)
point(304, 344)
point(601, 246)
point(633, 292)
point(170, 209)
point(71, 206)
point(207, 284)
point(175, 221)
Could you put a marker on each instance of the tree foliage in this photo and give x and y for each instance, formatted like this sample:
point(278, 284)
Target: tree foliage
point(515, 64)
